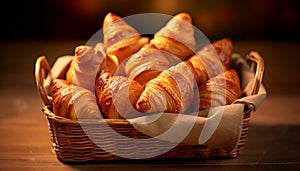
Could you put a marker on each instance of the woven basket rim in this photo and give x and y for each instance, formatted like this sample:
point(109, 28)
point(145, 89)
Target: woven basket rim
point(49, 113)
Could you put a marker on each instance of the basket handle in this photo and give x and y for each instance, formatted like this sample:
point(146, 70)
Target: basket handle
point(256, 64)
point(43, 79)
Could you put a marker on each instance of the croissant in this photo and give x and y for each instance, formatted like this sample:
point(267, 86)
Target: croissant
point(73, 102)
point(100, 46)
point(117, 96)
point(223, 49)
point(109, 65)
point(177, 37)
point(120, 39)
point(211, 60)
point(171, 91)
point(84, 66)
point(220, 90)
point(147, 63)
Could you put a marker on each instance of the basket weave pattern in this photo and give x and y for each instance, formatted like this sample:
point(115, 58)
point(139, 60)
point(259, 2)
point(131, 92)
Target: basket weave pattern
point(71, 144)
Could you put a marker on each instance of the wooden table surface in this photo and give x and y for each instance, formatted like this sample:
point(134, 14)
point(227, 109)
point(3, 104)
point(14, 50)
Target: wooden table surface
point(272, 143)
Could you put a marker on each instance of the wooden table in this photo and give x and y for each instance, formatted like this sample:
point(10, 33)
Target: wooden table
point(272, 143)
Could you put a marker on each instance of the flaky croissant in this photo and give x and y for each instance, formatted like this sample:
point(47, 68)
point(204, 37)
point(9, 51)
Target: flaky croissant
point(120, 39)
point(171, 91)
point(84, 66)
point(109, 65)
point(211, 60)
point(223, 49)
point(117, 96)
point(73, 102)
point(147, 63)
point(220, 90)
point(177, 37)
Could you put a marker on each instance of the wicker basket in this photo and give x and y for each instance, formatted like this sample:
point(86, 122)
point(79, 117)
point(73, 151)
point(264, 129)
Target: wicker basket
point(71, 144)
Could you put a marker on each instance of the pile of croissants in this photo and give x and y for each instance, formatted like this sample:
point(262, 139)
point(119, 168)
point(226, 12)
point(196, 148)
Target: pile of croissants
point(128, 75)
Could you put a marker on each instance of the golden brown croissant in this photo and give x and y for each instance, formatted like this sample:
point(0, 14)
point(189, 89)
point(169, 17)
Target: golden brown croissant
point(109, 65)
point(220, 90)
point(171, 91)
point(177, 37)
point(117, 96)
point(120, 39)
point(73, 102)
point(100, 46)
point(84, 66)
point(147, 63)
point(211, 60)
point(224, 49)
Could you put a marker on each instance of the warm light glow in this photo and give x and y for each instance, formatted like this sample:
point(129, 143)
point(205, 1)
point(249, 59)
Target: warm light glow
point(86, 7)
point(205, 21)
point(167, 6)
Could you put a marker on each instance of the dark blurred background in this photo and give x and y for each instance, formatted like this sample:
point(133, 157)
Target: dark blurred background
point(80, 19)
point(54, 28)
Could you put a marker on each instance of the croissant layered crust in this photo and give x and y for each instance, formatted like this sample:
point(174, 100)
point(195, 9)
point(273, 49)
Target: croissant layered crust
point(221, 90)
point(84, 66)
point(177, 37)
point(147, 63)
point(73, 102)
point(224, 49)
point(117, 96)
point(120, 39)
point(107, 65)
point(176, 84)
point(207, 63)
point(170, 91)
